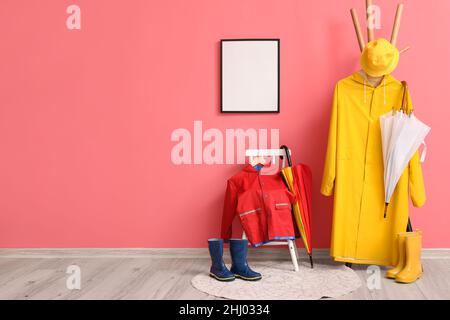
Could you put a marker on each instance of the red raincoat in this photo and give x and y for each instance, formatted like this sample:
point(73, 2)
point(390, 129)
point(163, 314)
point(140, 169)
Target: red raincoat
point(263, 204)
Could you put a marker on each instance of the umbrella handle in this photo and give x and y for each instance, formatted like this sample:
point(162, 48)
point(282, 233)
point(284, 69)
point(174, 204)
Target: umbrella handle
point(288, 155)
point(405, 99)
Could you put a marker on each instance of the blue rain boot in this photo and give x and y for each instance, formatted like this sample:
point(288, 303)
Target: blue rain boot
point(218, 269)
point(240, 268)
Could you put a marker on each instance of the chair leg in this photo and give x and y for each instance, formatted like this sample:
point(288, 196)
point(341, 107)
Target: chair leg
point(292, 250)
point(297, 255)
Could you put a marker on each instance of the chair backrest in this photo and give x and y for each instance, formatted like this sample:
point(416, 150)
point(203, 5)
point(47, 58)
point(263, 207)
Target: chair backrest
point(251, 153)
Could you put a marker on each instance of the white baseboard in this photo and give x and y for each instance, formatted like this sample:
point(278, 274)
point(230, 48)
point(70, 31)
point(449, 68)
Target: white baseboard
point(188, 253)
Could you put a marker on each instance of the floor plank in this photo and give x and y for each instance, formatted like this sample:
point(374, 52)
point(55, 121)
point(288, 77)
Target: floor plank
point(140, 275)
point(435, 284)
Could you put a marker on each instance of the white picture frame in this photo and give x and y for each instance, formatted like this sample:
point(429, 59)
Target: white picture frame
point(250, 76)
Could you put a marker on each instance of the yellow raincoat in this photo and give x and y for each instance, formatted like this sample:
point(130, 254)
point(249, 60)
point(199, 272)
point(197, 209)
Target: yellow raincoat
point(354, 174)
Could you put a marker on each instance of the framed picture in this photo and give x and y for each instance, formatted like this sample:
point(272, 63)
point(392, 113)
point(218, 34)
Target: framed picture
point(250, 76)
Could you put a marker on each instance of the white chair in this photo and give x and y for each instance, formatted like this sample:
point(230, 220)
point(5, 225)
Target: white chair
point(253, 153)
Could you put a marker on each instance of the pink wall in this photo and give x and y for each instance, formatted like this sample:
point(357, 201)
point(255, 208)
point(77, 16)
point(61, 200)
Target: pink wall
point(86, 116)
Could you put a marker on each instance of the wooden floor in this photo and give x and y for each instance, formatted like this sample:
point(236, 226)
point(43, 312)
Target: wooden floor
point(166, 274)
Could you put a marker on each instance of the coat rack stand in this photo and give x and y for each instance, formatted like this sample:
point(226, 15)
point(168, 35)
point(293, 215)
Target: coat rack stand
point(371, 37)
point(371, 31)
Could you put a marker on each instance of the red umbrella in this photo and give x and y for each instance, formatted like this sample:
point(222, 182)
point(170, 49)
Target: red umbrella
point(299, 181)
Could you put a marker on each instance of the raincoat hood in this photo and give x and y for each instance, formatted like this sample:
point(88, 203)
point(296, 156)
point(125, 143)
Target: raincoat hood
point(388, 80)
point(358, 78)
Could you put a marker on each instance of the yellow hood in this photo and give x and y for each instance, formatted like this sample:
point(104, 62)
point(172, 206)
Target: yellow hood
point(388, 81)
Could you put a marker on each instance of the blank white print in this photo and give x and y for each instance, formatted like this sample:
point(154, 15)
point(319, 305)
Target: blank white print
point(250, 75)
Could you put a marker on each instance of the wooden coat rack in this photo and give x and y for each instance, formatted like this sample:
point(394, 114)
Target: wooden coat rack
point(371, 37)
point(371, 31)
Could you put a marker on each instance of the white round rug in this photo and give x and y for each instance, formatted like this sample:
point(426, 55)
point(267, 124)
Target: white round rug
point(280, 282)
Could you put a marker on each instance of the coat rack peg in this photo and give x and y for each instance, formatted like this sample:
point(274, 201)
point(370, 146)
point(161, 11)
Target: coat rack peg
point(358, 31)
point(370, 31)
point(397, 22)
point(405, 49)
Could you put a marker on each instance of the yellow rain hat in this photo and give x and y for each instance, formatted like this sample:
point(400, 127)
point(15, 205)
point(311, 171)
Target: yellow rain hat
point(379, 58)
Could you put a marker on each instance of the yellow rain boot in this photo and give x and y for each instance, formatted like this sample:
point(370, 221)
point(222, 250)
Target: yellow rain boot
point(401, 239)
point(413, 267)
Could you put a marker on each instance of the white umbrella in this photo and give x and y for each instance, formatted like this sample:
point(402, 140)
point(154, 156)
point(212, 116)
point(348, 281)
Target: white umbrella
point(401, 137)
point(386, 124)
point(391, 126)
